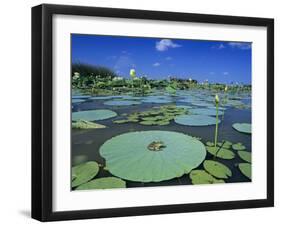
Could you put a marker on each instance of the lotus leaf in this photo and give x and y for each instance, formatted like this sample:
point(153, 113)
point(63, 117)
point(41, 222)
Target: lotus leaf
point(149, 118)
point(246, 169)
point(131, 98)
point(195, 120)
point(243, 127)
point(93, 115)
point(101, 98)
point(84, 172)
point(217, 169)
point(245, 155)
point(157, 99)
point(82, 124)
point(121, 102)
point(202, 104)
point(75, 101)
point(163, 123)
point(205, 111)
point(211, 144)
point(120, 121)
point(81, 97)
point(103, 183)
point(238, 147)
point(128, 155)
point(202, 177)
point(148, 123)
point(220, 152)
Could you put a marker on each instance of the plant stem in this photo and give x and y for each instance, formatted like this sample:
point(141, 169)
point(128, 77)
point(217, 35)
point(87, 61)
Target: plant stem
point(217, 124)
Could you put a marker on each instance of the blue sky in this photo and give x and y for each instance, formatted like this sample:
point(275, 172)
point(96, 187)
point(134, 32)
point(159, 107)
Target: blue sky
point(157, 58)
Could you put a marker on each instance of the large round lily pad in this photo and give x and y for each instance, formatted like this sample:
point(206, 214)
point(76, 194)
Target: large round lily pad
point(205, 111)
point(93, 115)
point(196, 120)
point(103, 183)
point(246, 169)
point(152, 156)
point(217, 169)
point(84, 172)
point(121, 102)
point(243, 127)
point(220, 152)
point(245, 155)
point(202, 177)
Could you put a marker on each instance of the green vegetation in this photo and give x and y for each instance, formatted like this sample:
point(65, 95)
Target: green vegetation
point(99, 80)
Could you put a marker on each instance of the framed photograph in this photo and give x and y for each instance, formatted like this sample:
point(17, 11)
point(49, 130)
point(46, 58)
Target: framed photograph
point(145, 112)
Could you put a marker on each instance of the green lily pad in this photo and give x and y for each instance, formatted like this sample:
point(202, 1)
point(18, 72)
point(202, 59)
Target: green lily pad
point(148, 123)
point(82, 124)
point(101, 98)
point(121, 102)
point(246, 169)
point(202, 177)
point(245, 155)
point(103, 183)
point(157, 100)
point(202, 104)
point(75, 101)
point(81, 97)
point(209, 143)
point(163, 123)
point(196, 120)
point(238, 147)
point(226, 144)
point(149, 118)
point(93, 115)
point(120, 121)
point(130, 156)
point(217, 169)
point(221, 152)
point(205, 111)
point(243, 127)
point(84, 172)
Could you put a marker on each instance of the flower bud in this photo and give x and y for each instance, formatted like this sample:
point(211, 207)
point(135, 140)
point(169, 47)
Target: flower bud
point(133, 73)
point(217, 99)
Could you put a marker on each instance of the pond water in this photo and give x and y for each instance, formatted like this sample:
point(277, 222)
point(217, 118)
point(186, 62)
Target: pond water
point(86, 143)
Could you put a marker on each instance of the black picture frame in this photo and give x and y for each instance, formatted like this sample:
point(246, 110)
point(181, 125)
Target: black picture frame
point(42, 95)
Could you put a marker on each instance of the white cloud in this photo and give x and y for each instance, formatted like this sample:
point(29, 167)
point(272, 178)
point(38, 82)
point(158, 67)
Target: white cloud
point(225, 73)
point(165, 44)
point(240, 45)
point(156, 64)
point(168, 58)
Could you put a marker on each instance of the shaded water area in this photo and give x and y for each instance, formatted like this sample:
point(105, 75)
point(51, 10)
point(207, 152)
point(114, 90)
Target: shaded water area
point(87, 142)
